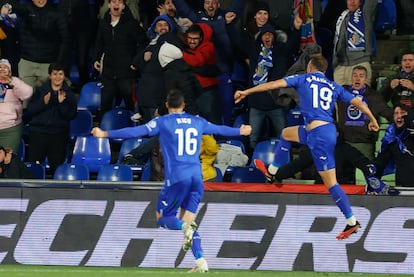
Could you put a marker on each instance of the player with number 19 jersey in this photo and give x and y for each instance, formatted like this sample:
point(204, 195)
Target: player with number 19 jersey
point(180, 141)
point(320, 103)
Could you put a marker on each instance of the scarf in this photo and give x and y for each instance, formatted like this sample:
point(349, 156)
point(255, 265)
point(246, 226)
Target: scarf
point(355, 30)
point(264, 62)
point(391, 136)
point(354, 117)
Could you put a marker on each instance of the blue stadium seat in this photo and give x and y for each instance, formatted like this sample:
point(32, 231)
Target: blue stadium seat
point(146, 172)
point(92, 152)
point(234, 142)
point(115, 172)
point(71, 172)
point(22, 150)
point(247, 175)
point(219, 175)
point(38, 170)
point(90, 97)
point(127, 145)
point(116, 118)
point(81, 125)
point(265, 151)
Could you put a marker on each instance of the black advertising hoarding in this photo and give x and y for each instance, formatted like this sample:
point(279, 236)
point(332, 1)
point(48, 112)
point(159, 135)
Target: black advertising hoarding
point(264, 231)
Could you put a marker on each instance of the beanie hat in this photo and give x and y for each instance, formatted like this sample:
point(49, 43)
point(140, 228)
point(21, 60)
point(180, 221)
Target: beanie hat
point(5, 62)
point(261, 6)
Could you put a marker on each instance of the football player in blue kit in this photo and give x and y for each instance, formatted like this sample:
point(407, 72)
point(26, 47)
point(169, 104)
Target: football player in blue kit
point(180, 136)
point(318, 96)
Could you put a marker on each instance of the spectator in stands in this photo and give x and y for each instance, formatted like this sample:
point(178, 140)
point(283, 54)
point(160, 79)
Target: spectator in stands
point(151, 89)
point(9, 44)
point(398, 146)
point(133, 6)
point(400, 87)
point(260, 18)
point(353, 122)
point(208, 152)
point(11, 166)
point(200, 55)
point(353, 39)
point(177, 73)
point(12, 92)
point(168, 7)
point(82, 24)
point(219, 20)
point(118, 39)
point(267, 62)
point(44, 39)
point(50, 110)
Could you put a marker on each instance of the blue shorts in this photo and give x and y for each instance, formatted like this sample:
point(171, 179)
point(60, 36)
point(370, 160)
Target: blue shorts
point(184, 194)
point(321, 141)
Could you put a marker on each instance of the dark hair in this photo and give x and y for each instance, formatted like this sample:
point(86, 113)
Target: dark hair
point(195, 28)
point(56, 67)
point(175, 98)
point(360, 67)
point(319, 62)
point(407, 52)
point(402, 106)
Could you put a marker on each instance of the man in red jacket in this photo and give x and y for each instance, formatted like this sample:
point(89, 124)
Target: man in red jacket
point(200, 55)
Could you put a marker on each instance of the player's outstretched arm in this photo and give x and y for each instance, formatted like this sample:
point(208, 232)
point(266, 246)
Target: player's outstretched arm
point(241, 94)
point(99, 133)
point(245, 130)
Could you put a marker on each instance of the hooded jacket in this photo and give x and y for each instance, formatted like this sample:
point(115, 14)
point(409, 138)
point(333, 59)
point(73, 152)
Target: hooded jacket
point(203, 55)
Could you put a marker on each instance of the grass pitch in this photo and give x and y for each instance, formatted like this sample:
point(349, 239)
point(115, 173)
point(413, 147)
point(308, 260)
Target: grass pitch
point(76, 271)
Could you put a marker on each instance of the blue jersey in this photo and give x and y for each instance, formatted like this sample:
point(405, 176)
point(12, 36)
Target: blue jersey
point(317, 95)
point(180, 139)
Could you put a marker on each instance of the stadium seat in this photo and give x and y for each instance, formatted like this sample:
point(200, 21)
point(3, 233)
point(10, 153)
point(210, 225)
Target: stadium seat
point(115, 172)
point(265, 151)
point(247, 175)
point(38, 170)
point(127, 145)
point(146, 172)
point(219, 177)
point(71, 172)
point(90, 97)
point(22, 150)
point(81, 125)
point(116, 118)
point(234, 142)
point(92, 152)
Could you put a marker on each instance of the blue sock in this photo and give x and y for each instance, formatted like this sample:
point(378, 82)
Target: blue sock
point(170, 222)
point(196, 247)
point(282, 152)
point(341, 200)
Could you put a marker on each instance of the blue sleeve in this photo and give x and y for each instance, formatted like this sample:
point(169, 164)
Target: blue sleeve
point(221, 130)
point(238, 6)
point(129, 132)
point(292, 80)
point(184, 10)
point(345, 95)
